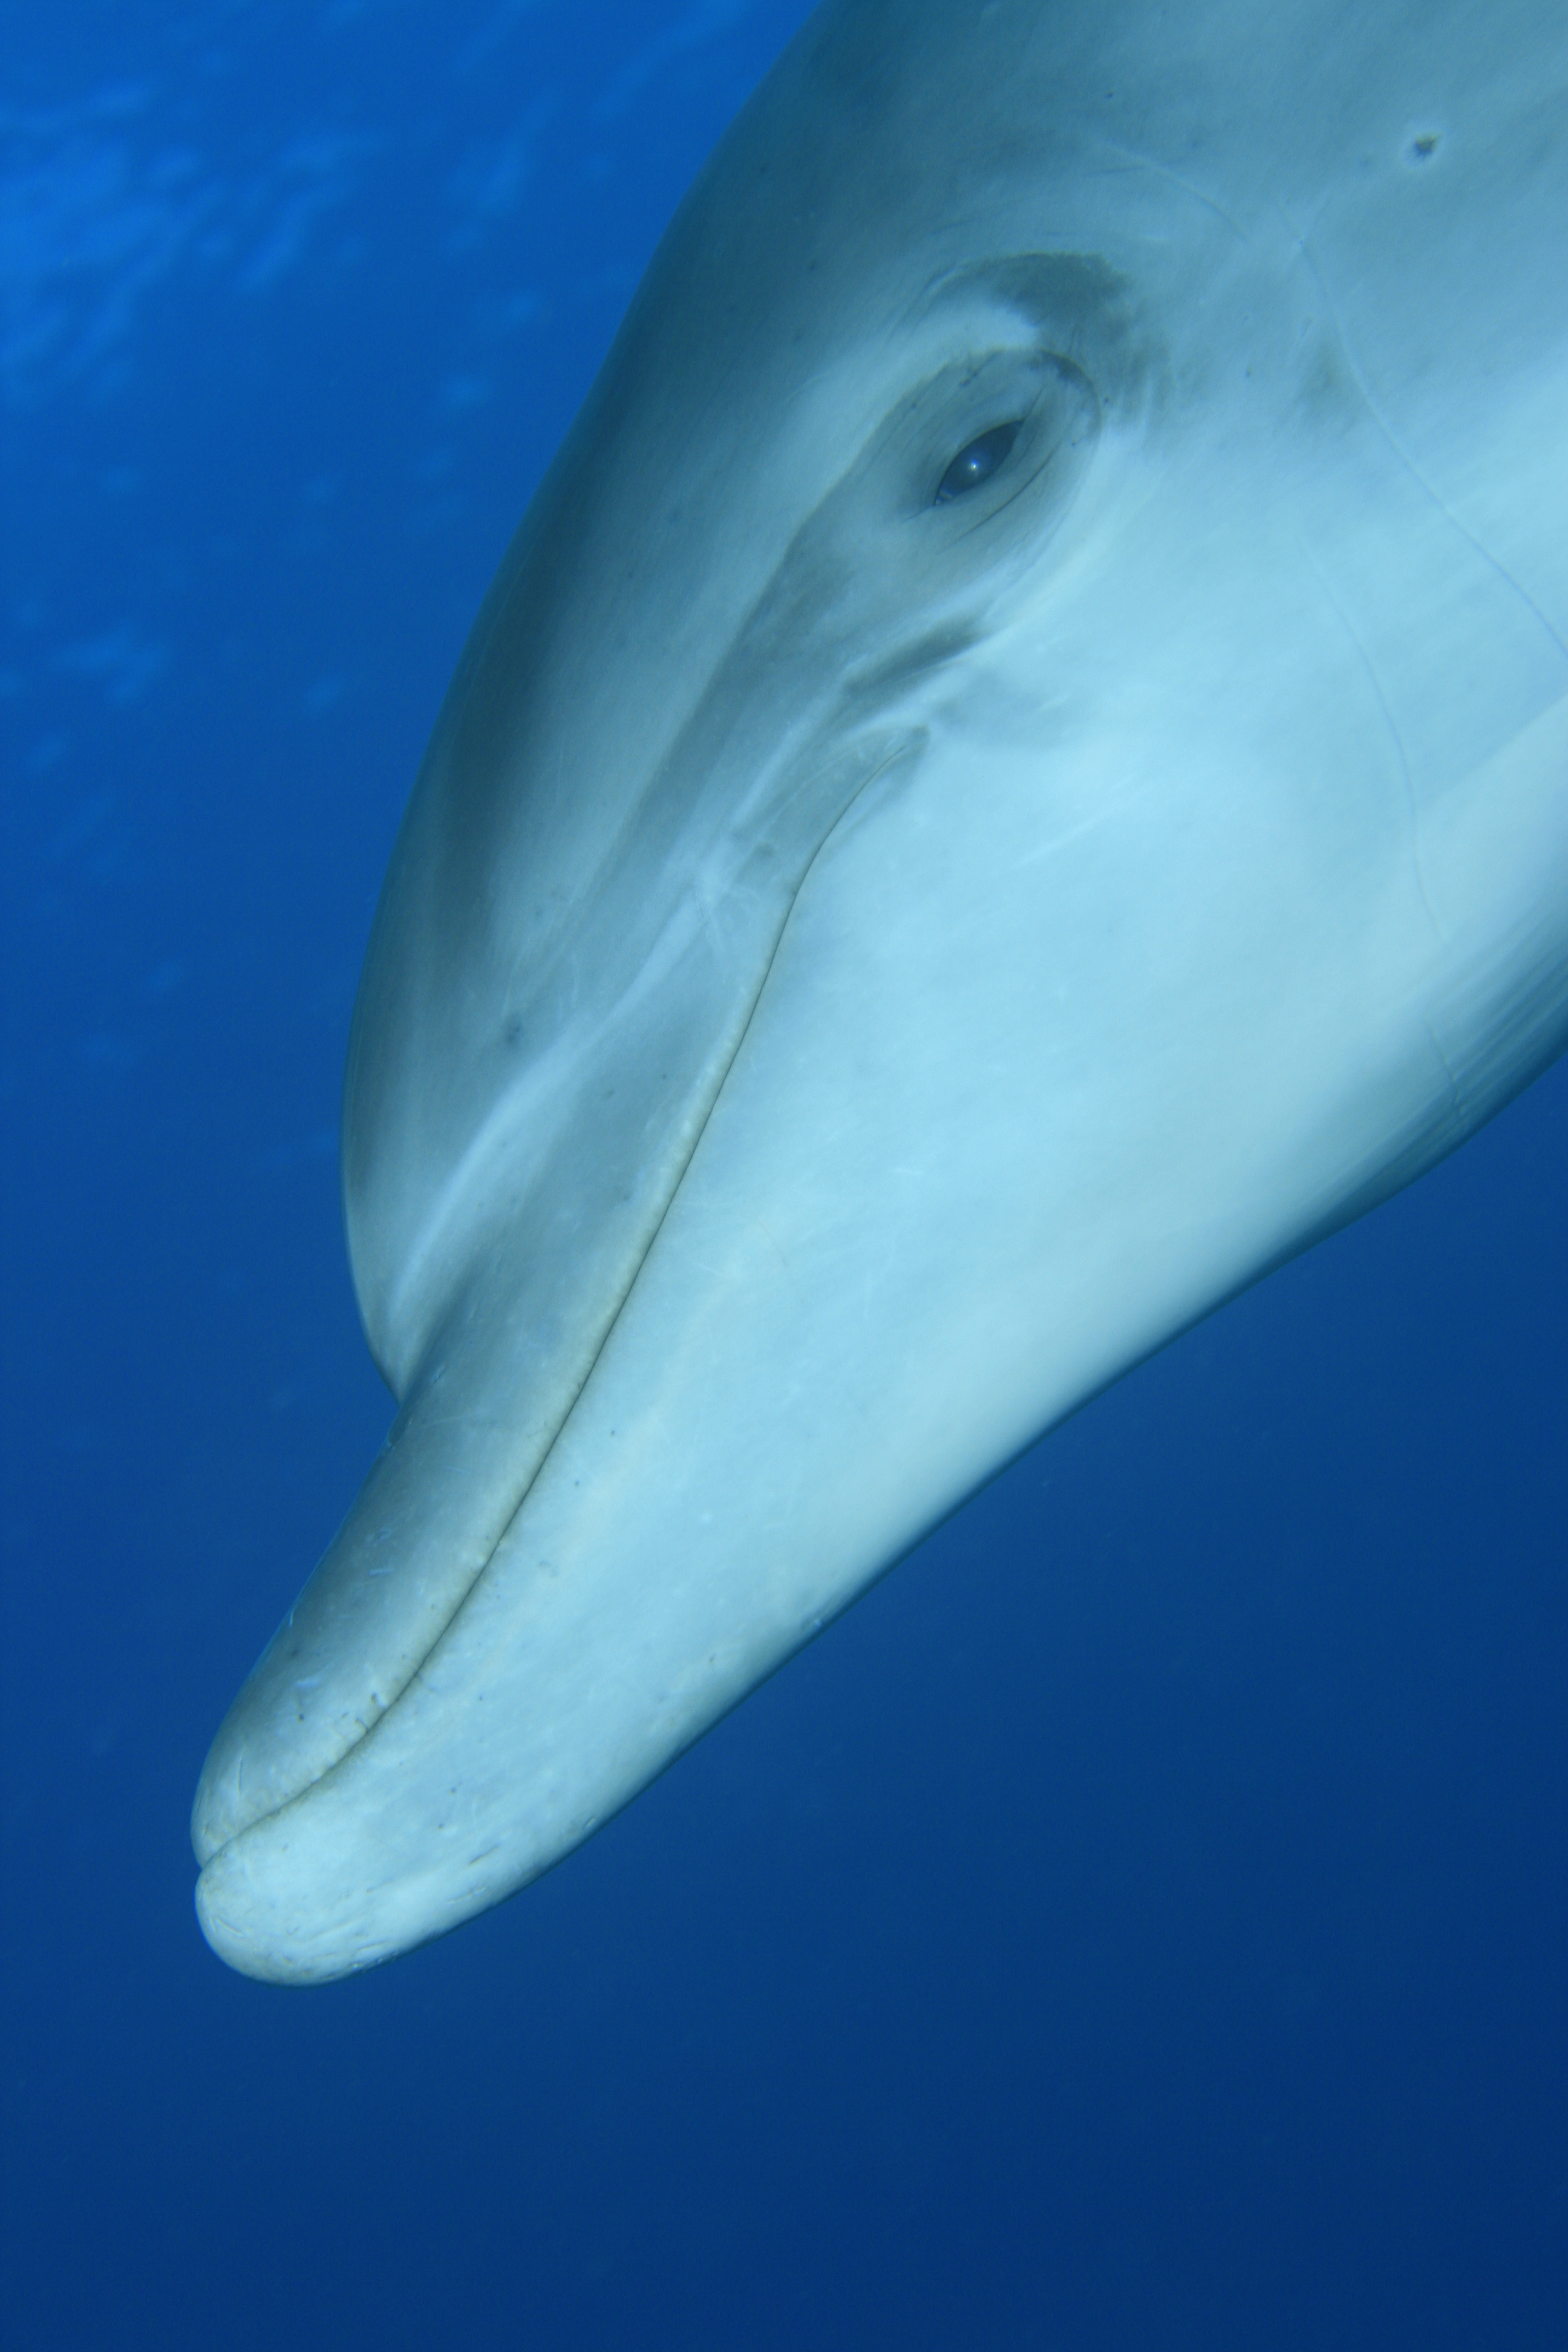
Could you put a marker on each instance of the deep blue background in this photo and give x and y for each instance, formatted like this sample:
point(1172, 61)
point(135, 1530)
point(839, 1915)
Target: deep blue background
point(1143, 1921)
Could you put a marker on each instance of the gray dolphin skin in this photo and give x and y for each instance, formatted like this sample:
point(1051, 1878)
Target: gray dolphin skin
point(1014, 777)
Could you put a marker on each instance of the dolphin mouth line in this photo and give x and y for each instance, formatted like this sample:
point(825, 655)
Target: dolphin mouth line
point(906, 744)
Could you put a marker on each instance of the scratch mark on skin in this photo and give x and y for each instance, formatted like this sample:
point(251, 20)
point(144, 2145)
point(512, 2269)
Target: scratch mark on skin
point(1163, 171)
point(1466, 1122)
point(1461, 1108)
point(1427, 488)
point(1412, 805)
point(1095, 822)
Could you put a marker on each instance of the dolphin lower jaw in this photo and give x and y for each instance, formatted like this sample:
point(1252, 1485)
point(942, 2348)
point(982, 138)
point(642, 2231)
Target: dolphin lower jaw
point(548, 1272)
point(498, 1402)
point(666, 1555)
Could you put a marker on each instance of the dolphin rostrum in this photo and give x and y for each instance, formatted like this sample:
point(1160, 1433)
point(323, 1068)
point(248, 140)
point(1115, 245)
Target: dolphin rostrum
point(1015, 776)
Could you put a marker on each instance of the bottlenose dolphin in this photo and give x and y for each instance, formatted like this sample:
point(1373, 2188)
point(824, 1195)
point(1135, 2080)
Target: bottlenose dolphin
point(1015, 776)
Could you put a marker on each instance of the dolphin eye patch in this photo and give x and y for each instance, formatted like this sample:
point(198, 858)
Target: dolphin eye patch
point(978, 462)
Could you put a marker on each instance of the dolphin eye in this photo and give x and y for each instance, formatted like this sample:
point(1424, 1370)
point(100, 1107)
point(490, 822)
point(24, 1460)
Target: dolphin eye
point(978, 462)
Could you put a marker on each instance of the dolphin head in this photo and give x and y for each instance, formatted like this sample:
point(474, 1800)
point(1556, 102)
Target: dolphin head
point(1015, 775)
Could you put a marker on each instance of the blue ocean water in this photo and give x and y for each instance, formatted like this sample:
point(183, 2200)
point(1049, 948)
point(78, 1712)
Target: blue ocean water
point(1143, 1921)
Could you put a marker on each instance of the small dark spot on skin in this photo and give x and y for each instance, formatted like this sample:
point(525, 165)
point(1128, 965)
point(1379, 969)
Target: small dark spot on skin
point(1423, 147)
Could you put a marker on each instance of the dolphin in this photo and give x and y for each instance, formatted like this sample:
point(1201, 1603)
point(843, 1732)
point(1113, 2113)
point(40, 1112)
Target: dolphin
point(1014, 777)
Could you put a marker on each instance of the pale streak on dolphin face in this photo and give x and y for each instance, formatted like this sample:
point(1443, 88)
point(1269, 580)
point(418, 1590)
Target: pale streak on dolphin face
point(1015, 775)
